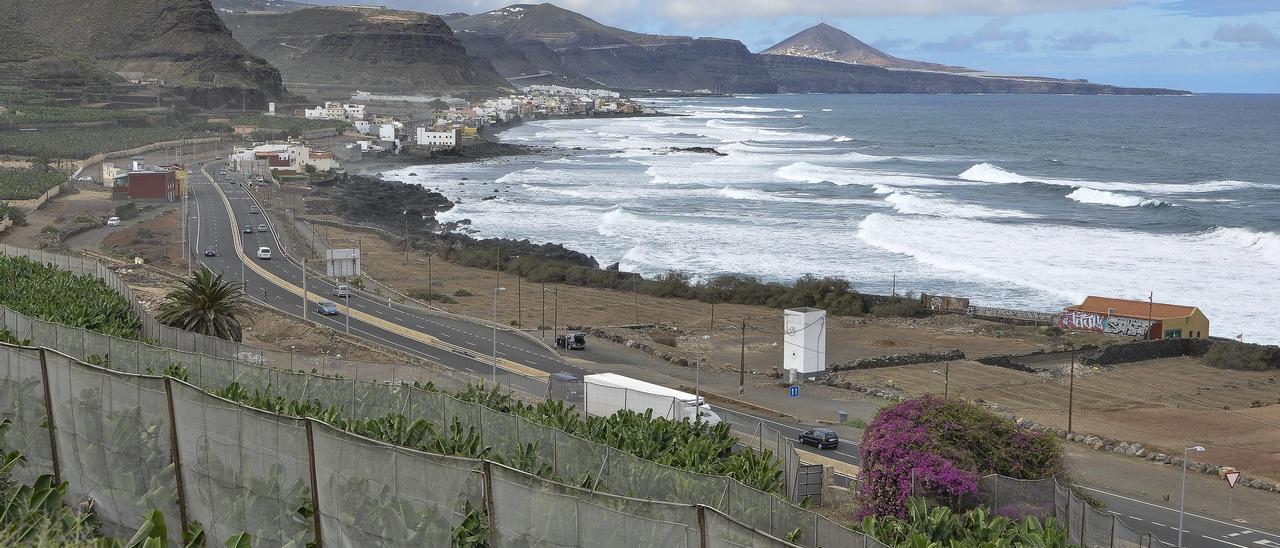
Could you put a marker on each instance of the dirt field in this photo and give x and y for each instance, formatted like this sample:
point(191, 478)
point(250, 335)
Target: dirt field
point(87, 203)
point(1168, 403)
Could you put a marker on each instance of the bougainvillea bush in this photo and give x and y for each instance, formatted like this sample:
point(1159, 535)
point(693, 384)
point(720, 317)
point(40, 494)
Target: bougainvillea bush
point(945, 447)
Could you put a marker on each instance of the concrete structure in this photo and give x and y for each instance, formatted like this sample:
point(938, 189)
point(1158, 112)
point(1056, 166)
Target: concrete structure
point(155, 185)
point(804, 341)
point(438, 139)
point(1142, 319)
point(387, 132)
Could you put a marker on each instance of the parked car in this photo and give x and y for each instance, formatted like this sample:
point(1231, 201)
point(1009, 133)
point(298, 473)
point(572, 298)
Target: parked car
point(341, 290)
point(264, 253)
point(822, 438)
point(248, 229)
point(573, 340)
point(253, 209)
point(328, 308)
point(209, 251)
point(262, 228)
point(113, 221)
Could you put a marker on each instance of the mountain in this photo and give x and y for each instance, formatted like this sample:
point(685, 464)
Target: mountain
point(618, 58)
point(809, 75)
point(182, 43)
point(276, 6)
point(823, 41)
point(522, 63)
point(364, 48)
point(27, 61)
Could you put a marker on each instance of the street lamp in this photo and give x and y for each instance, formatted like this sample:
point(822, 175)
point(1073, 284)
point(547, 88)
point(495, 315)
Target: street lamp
point(1182, 501)
point(496, 290)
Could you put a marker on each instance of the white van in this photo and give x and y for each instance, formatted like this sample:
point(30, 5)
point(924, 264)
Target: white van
point(264, 253)
point(113, 221)
point(341, 290)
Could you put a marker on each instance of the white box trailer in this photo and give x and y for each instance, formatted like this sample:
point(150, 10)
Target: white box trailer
point(608, 393)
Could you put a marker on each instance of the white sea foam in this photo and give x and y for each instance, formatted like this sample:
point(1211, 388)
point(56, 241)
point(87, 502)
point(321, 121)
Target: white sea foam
point(989, 173)
point(1103, 197)
point(842, 139)
point(1070, 262)
point(805, 172)
point(798, 116)
point(915, 204)
point(751, 194)
point(745, 108)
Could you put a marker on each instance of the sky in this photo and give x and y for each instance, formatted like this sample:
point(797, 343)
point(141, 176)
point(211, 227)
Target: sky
point(1209, 46)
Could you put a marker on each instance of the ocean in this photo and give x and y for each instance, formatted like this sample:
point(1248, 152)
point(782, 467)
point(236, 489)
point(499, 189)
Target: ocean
point(1029, 202)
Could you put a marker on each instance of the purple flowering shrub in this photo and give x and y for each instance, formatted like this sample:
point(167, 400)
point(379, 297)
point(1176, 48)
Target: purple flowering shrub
point(945, 446)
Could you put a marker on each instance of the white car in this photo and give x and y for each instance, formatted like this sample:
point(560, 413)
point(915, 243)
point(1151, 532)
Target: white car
point(341, 290)
point(113, 221)
point(264, 253)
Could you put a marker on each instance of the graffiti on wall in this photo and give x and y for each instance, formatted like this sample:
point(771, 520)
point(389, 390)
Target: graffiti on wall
point(1098, 323)
point(944, 303)
point(1031, 316)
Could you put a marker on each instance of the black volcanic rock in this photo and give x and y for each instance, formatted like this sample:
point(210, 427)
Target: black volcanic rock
point(381, 48)
point(807, 75)
point(182, 43)
point(528, 62)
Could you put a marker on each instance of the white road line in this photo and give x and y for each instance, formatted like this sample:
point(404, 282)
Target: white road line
point(1172, 510)
point(1160, 525)
point(1224, 542)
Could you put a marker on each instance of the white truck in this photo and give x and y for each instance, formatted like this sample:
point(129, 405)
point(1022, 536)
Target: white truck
point(608, 393)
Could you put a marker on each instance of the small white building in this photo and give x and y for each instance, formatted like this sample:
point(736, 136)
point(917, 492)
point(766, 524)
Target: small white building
point(804, 341)
point(438, 139)
point(387, 132)
point(362, 126)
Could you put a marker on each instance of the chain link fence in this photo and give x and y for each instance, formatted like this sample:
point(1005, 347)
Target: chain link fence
point(1086, 525)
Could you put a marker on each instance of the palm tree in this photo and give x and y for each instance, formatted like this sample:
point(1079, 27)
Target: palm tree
point(206, 304)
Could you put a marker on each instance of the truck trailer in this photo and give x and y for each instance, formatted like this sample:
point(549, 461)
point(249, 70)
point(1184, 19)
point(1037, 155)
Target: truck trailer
point(608, 393)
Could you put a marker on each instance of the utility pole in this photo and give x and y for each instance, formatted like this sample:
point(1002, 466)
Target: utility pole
point(713, 315)
point(635, 296)
point(431, 292)
point(519, 296)
point(1071, 391)
point(1151, 304)
point(406, 239)
point(555, 313)
point(946, 379)
point(347, 321)
point(304, 289)
point(893, 291)
point(742, 361)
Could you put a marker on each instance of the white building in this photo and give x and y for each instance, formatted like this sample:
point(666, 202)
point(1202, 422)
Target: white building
point(387, 132)
point(354, 111)
point(362, 126)
point(804, 341)
point(438, 139)
point(335, 111)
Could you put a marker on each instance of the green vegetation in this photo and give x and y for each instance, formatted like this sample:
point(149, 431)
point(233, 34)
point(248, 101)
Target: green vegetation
point(55, 295)
point(901, 308)
point(82, 143)
point(28, 114)
point(206, 304)
point(17, 215)
point(127, 211)
point(26, 184)
point(939, 527)
point(1242, 356)
point(424, 294)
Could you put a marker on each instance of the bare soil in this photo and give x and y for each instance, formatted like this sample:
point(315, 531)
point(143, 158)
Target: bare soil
point(1167, 403)
point(84, 204)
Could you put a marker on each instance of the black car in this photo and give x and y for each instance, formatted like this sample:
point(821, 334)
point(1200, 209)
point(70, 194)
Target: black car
point(210, 252)
point(248, 229)
point(822, 438)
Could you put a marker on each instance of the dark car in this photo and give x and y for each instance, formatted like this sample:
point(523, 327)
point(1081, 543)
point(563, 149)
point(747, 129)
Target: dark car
point(248, 229)
point(573, 340)
point(822, 438)
point(209, 251)
point(328, 308)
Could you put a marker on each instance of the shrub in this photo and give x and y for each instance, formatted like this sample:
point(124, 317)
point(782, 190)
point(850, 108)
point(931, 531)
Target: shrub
point(944, 447)
point(14, 214)
point(424, 294)
point(27, 184)
point(664, 339)
point(1242, 356)
point(900, 309)
point(127, 211)
point(923, 527)
point(461, 293)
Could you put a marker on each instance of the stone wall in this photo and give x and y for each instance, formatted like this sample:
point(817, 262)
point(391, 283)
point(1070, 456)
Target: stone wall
point(891, 360)
point(1147, 350)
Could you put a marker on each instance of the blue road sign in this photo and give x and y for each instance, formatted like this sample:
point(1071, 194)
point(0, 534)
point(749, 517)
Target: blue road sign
point(795, 391)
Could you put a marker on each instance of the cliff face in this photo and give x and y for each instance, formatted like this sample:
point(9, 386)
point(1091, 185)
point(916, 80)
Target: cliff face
point(182, 43)
point(522, 62)
point(808, 75)
point(723, 66)
point(387, 49)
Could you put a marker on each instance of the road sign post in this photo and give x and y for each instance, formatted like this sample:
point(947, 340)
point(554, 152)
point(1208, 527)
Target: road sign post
point(1232, 477)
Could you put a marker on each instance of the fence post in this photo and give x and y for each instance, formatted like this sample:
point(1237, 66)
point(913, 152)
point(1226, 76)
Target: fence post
point(174, 454)
point(48, 413)
point(702, 526)
point(1113, 530)
point(487, 474)
point(315, 491)
point(1084, 521)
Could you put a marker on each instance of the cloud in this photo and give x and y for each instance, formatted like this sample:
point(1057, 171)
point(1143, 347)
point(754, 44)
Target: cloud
point(1220, 8)
point(1084, 40)
point(993, 31)
point(726, 10)
point(1249, 34)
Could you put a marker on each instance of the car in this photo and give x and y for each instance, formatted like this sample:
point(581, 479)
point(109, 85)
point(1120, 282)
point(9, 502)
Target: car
point(341, 290)
point(573, 340)
point(113, 221)
point(248, 229)
point(253, 209)
point(822, 438)
point(328, 308)
point(264, 253)
point(262, 228)
point(209, 251)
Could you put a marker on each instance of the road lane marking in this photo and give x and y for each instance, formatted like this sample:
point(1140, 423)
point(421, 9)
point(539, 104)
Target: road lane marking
point(1224, 542)
point(1172, 510)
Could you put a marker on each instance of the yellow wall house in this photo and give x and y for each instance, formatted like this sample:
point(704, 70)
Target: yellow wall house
point(1140, 319)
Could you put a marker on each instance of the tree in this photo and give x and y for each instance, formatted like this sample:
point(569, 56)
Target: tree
point(206, 304)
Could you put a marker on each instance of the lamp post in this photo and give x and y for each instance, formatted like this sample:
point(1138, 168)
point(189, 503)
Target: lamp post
point(519, 296)
point(1182, 500)
point(496, 290)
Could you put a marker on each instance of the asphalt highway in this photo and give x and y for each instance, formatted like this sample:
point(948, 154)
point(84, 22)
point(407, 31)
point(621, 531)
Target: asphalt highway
point(468, 345)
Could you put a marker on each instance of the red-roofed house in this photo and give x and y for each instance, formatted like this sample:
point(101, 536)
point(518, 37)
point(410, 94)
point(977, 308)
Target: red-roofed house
point(1132, 318)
